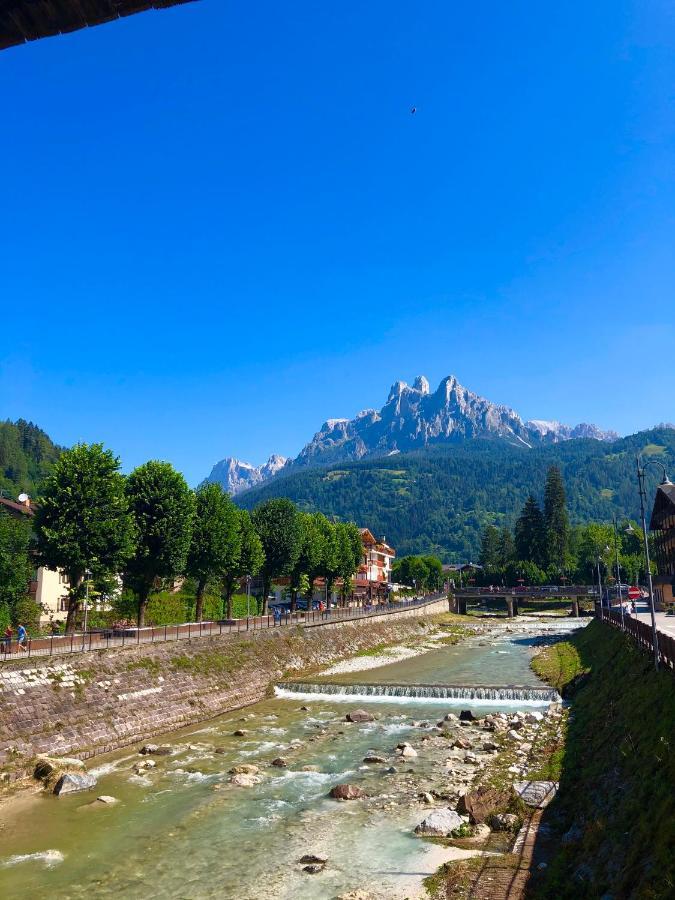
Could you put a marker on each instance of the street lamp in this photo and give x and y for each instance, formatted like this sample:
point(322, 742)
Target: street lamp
point(618, 567)
point(87, 575)
point(641, 469)
point(248, 596)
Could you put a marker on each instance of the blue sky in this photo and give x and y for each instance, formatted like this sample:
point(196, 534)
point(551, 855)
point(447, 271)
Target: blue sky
point(221, 225)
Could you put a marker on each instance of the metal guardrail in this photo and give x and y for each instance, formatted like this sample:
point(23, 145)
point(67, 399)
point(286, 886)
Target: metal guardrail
point(550, 592)
point(642, 633)
point(108, 639)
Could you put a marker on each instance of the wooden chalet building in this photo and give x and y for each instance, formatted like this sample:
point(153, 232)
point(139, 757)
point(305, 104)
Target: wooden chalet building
point(662, 524)
point(374, 575)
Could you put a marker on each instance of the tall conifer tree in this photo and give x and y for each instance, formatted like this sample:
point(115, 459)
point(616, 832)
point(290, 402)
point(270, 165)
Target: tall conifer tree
point(556, 519)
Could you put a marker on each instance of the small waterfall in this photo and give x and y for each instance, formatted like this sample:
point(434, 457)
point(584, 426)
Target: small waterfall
point(422, 692)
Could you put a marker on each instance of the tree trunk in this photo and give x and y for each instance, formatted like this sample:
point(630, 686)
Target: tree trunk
point(294, 599)
point(73, 601)
point(199, 600)
point(267, 584)
point(229, 590)
point(142, 604)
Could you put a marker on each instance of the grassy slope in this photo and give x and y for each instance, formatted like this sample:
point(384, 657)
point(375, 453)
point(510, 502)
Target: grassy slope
point(617, 784)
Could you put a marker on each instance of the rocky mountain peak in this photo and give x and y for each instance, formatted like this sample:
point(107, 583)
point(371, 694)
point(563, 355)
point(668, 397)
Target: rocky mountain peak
point(412, 417)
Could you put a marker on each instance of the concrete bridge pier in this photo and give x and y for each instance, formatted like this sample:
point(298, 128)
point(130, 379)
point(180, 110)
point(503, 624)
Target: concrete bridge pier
point(458, 605)
point(575, 607)
point(510, 603)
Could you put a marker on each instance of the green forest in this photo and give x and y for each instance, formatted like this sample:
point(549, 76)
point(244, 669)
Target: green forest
point(439, 500)
point(26, 455)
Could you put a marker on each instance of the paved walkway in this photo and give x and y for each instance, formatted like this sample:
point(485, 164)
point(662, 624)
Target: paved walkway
point(664, 623)
point(113, 638)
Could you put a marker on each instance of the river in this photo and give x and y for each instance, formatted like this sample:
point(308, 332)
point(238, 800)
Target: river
point(181, 830)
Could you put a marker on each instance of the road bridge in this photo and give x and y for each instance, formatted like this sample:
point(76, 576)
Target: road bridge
point(512, 597)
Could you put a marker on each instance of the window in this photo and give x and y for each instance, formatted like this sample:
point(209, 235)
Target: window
point(63, 604)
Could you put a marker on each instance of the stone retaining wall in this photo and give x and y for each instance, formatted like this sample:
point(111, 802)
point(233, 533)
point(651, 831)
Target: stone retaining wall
point(97, 702)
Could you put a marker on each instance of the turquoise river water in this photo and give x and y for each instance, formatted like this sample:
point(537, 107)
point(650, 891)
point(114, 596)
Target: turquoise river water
point(182, 831)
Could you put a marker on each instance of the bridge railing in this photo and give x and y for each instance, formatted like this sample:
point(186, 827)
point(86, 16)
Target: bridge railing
point(552, 591)
point(642, 634)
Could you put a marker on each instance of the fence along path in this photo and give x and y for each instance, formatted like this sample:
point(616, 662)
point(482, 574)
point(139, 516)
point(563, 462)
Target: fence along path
point(642, 632)
point(111, 638)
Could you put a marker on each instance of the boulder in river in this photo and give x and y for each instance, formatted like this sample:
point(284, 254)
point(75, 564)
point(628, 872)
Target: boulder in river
point(310, 769)
point(504, 822)
point(480, 804)
point(244, 769)
point(74, 781)
point(48, 766)
point(313, 869)
point(440, 823)
point(406, 750)
point(346, 792)
point(373, 758)
point(461, 743)
point(240, 732)
point(107, 799)
point(466, 716)
point(312, 859)
point(245, 780)
point(359, 715)
point(279, 762)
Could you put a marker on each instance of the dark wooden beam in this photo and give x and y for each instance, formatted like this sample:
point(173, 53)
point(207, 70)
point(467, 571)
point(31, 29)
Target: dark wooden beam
point(29, 20)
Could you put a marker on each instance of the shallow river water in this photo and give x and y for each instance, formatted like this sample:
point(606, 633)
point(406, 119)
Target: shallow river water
point(182, 831)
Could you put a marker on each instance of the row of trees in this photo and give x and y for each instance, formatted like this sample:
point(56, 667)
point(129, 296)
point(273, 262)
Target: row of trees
point(422, 573)
point(95, 524)
point(545, 549)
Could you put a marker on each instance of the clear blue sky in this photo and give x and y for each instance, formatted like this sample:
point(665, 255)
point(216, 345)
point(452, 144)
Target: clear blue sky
point(221, 225)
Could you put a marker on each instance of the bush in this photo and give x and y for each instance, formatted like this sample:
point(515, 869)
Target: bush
point(27, 612)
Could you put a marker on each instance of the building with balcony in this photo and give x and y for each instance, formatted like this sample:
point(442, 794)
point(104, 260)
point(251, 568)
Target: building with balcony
point(662, 524)
point(373, 577)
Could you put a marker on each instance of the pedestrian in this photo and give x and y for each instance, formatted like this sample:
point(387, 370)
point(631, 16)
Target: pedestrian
point(21, 636)
point(633, 608)
point(7, 639)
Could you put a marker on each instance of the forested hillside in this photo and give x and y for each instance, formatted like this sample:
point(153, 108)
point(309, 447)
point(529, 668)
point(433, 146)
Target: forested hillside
point(437, 500)
point(26, 453)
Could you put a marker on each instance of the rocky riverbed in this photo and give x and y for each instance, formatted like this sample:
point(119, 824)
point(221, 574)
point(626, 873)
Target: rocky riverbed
point(310, 799)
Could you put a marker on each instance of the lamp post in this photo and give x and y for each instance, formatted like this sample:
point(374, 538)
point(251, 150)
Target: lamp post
point(599, 584)
point(87, 575)
point(618, 567)
point(248, 596)
point(641, 469)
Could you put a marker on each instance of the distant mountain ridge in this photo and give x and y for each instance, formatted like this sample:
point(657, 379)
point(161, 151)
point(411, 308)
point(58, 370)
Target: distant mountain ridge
point(411, 419)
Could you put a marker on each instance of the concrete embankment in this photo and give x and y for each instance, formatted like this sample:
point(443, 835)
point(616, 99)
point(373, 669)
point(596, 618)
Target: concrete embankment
point(97, 702)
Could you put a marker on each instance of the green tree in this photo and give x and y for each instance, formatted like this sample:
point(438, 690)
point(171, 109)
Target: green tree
point(331, 561)
point(309, 558)
point(507, 548)
point(215, 546)
point(434, 577)
point(83, 521)
point(531, 533)
point(15, 564)
point(489, 549)
point(556, 520)
point(163, 507)
point(248, 560)
point(279, 530)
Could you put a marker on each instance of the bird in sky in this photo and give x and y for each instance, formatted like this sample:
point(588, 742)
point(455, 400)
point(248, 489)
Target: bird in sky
point(413, 110)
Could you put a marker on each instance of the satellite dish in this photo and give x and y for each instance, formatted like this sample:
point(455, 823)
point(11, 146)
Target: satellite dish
point(23, 498)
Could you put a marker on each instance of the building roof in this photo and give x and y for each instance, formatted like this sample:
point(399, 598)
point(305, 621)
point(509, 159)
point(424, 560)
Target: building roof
point(12, 507)
point(664, 506)
point(28, 20)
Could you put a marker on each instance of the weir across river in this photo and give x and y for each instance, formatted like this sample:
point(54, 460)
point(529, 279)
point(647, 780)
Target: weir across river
point(495, 694)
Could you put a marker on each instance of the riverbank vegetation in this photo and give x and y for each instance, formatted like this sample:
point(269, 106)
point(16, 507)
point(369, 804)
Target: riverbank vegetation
point(612, 824)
